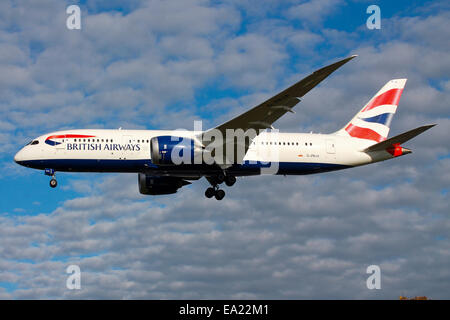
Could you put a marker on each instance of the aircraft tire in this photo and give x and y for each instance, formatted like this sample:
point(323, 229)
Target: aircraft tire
point(230, 180)
point(210, 192)
point(220, 194)
point(220, 178)
point(53, 183)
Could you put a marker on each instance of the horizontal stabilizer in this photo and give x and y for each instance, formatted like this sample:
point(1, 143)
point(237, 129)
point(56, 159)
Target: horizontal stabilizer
point(397, 140)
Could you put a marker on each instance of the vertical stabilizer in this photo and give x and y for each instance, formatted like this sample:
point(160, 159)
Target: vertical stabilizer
point(374, 120)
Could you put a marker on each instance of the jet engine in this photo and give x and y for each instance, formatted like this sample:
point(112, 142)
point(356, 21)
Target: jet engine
point(154, 185)
point(172, 150)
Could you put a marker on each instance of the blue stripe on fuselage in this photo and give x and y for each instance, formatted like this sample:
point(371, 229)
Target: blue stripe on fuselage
point(246, 168)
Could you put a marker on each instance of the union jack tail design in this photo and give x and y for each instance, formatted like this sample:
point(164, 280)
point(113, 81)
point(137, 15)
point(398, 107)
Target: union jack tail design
point(374, 119)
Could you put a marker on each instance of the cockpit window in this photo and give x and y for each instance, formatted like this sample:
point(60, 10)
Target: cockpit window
point(33, 142)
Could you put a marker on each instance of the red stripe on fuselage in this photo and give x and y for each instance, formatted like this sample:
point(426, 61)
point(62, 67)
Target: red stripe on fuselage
point(69, 136)
point(364, 133)
point(389, 97)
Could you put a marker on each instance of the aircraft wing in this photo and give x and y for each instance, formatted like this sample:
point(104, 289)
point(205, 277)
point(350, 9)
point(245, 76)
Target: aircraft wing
point(264, 115)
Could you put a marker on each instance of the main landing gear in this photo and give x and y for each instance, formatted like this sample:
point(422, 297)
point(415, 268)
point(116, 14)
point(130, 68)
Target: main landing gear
point(214, 190)
point(219, 194)
point(53, 182)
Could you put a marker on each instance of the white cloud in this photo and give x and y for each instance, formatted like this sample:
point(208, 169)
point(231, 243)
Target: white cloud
point(251, 61)
point(313, 11)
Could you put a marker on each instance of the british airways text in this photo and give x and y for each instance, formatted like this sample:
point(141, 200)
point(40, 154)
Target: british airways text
point(100, 147)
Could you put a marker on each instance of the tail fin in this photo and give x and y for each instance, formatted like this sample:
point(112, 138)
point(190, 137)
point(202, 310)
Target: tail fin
point(374, 120)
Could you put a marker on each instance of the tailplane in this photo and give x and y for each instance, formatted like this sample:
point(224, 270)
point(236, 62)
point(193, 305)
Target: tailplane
point(374, 120)
point(392, 145)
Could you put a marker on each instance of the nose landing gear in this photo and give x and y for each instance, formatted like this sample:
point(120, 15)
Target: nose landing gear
point(51, 172)
point(53, 183)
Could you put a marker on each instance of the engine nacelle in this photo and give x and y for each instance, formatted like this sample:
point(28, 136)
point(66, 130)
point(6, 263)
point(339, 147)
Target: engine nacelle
point(154, 185)
point(172, 150)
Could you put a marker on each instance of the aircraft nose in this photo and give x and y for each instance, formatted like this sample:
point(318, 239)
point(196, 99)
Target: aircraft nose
point(18, 158)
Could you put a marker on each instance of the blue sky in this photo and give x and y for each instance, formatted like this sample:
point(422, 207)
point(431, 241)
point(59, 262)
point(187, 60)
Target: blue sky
point(164, 64)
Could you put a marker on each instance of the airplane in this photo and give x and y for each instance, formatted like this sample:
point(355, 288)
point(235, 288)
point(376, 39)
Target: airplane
point(155, 154)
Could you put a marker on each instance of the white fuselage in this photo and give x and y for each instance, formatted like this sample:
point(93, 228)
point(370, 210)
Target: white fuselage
point(100, 150)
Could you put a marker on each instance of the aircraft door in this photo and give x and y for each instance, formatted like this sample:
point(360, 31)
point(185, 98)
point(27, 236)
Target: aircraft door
point(60, 145)
point(330, 145)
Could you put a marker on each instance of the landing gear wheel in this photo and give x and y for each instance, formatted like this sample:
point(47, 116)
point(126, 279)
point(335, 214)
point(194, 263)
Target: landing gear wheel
point(220, 194)
point(53, 183)
point(210, 192)
point(220, 178)
point(230, 180)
